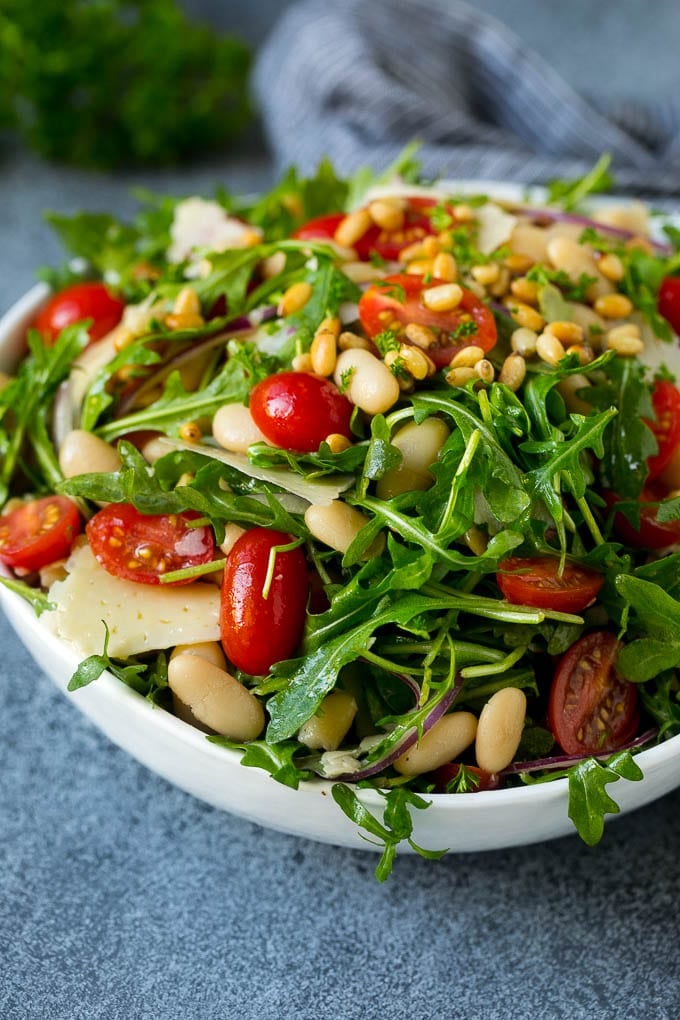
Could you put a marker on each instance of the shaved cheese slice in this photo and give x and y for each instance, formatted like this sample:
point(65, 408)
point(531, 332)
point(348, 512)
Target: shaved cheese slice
point(495, 227)
point(140, 617)
point(322, 491)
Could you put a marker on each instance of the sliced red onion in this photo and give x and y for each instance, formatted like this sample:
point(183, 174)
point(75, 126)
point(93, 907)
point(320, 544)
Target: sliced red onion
point(558, 216)
point(565, 760)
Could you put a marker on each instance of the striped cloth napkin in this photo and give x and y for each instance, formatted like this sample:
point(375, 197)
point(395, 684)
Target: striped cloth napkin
point(356, 81)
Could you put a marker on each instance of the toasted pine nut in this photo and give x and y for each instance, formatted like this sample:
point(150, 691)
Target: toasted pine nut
point(626, 329)
point(367, 381)
point(627, 344)
point(387, 213)
point(234, 429)
point(445, 741)
point(476, 540)
point(187, 303)
point(500, 287)
point(486, 275)
point(412, 251)
point(443, 298)
point(485, 370)
point(273, 265)
point(323, 351)
point(353, 227)
point(444, 267)
point(419, 445)
point(525, 315)
point(431, 247)
point(584, 353)
point(337, 524)
point(302, 363)
point(420, 267)
point(215, 698)
point(185, 320)
point(416, 362)
point(565, 331)
point(460, 376)
point(549, 349)
point(518, 263)
point(329, 725)
point(613, 306)
point(348, 341)
point(499, 730)
point(467, 357)
point(464, 213)
point(337, 442)
point(611, 267)
point(190, 432)
point(523, 341)
point(567, 388)
point(362, 272)
point(82, 453)
point(122, 337)
point(526, 290)
point(421, 336)
point(513, 371)
point(295, 298)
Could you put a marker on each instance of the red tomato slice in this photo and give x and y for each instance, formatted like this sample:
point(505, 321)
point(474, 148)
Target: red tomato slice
point(142, 547)
point(81, 301)
point(666, 428)
point(591, 709)
point(537, 582)
point(38, 532)
point(395, 301)
point(258, 628)
point(445, 775)
point(668, 301)
point(651, 534)
point(298, 410)
point(387, 244)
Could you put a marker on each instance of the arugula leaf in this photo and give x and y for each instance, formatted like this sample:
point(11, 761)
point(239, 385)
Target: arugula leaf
point(657, 617)
point(568, 194)
point(589, 801)
point(661, 699)
point(148, 679)
point(34, 596)
point(276, 759)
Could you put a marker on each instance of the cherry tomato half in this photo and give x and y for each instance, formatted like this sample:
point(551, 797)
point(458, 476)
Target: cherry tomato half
point(591, 709)
point(395, 301)
point(81, 301)
point(261, 627)
point(536, 581)
point(668, 301)
point(142, 547)
point(298, 410)
point(385, 243)
point(666, 428)
point(651, 534)
point(479, 780)
point(39, 532)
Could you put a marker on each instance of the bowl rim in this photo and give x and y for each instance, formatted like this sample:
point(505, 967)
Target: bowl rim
point(13, 324)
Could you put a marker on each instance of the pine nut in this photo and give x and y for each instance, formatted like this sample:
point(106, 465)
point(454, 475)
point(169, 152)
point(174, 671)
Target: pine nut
point(584, 353)
point(549, 349)
point(362, 272)
point(526, 290)
point(353, 227)
point(499, 730)
point(323, 351)
point(83, 453)
point(187, 303)
point(421, 336)
point(420, 267)
point(295, 298)
point(627, 344)
point(367, 381)
point(523, 341)
point(273, 265)
point(460, 376)
point(500, 287)
point(613, 306)
point(348, 341)
point(467, 357)
point(611, 267)
point(186, 320)
point(525, 315)
point(190, 432)
point(419, 445)
point(431, 247)
point(302, 363)
point(444, 267)
point(444, 742)
point(387, 213)
point(464, 213)
point(567, 388)
point(486, 275)
point(416, 362)
point(215, 698)
point(485, 370)
point(122, 337)
point(513, 372)
point(443, 298)
point(519, 264)
point(234, 429)
point(337, 442)
point(565, 331)
point(336, 524)
point(329, 726)
point(412, 251)
point(476, 540)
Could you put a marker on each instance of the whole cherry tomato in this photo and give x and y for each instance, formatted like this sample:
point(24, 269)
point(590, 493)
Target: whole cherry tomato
point(39, 532)
point(142, 547)
point(387, 244)
point(263, 611)
point(668, 301)
point(81, 301)
point(666, 428)
point(592, 710)
point(298, 410)
point(537, 581)
point(397, 300)
point(651, 534)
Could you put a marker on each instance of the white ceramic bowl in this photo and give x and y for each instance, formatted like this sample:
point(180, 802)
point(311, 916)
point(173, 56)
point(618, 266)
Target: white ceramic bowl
point(181, 754)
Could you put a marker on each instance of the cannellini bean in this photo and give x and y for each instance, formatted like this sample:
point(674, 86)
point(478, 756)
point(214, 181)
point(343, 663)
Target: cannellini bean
point(209, 650)
point(593, 324)
point(419, 446)
point(633, 217)
point(447, 739)
point(500, 729)
point(215, 698)
point(337, 524)
point(568, 387)
point(328, 727)
point(572, 258)
point(81, 453)
point(526, 239)
point(366, 380)
point(234, 429)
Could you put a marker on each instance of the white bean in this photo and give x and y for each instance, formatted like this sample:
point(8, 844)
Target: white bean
point(526, 239)
point(500, 729)
point(234, 429)
point(337, 524)
point(82, 452)
point(215, 698)
point(447, 739)
point(419, 446)
point(367, 381)
point(328, 727)
point(209, 650)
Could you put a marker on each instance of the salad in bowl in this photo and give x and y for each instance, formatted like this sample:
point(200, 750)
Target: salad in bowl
point(378, 494)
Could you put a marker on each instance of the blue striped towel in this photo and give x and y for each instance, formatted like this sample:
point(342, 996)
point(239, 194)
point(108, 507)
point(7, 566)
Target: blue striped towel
point(356, 81)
